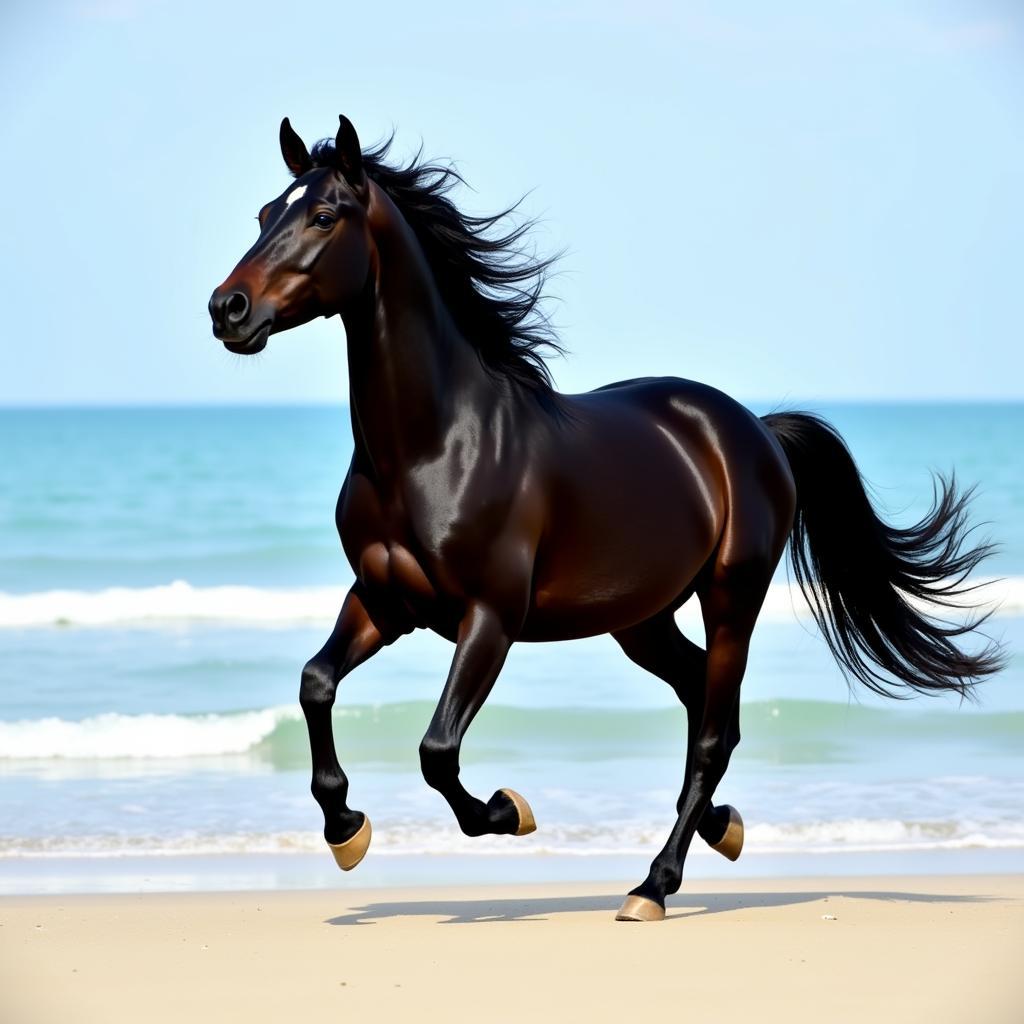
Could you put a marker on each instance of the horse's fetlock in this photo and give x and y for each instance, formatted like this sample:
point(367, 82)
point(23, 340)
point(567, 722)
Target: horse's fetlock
point(439, 761)
point(329, 785)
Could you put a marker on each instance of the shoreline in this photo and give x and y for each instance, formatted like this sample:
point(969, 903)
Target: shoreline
point(915, 948)
point(32, 876)
point(57, 875)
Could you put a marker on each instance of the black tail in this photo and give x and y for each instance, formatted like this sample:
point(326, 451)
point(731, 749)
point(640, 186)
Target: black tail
point(861, 576)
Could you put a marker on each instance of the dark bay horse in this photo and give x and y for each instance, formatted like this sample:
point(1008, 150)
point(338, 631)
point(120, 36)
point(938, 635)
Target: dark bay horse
point(484, 505)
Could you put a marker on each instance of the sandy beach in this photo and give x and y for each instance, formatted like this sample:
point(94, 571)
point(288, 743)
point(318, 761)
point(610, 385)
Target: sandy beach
point(936, 949)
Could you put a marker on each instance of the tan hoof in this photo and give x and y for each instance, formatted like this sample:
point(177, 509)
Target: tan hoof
point(527, 824)
point(731, 843)
point(349, 853)
point(639, 908)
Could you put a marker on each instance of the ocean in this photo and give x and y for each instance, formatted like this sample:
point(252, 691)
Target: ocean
point(165, 573)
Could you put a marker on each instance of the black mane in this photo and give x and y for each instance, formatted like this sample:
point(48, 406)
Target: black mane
point(492, 287)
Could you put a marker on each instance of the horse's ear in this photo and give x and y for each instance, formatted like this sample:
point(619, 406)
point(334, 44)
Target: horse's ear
point(349, 155)
point(294, 151)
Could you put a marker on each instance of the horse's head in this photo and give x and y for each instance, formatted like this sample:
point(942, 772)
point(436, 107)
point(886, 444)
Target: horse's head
point(314, 251)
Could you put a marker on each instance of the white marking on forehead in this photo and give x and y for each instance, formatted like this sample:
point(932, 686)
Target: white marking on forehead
point(296, 193)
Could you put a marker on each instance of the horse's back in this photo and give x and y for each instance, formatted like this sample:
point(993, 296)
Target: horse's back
point(713, 426)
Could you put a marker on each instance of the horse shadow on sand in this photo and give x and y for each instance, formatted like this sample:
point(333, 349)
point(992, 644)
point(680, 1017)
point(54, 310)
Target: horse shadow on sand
point(680, 907)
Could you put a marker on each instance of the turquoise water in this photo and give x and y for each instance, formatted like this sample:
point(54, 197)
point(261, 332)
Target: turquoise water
point(164, 574)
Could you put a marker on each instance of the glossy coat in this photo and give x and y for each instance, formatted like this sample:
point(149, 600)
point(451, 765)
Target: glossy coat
point(487, 507)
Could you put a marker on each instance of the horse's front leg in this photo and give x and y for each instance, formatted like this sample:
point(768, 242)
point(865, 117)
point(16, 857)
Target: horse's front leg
point(355, 638)
point(483, 643)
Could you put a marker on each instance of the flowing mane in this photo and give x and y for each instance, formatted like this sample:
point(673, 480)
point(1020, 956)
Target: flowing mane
point(491, 285)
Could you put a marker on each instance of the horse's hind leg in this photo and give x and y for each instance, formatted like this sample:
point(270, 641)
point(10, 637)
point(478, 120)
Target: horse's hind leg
point(658, 646)
point(730, 606)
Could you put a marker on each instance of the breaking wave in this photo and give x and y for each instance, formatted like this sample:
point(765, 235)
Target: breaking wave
point(181, 602)
point(775, 730)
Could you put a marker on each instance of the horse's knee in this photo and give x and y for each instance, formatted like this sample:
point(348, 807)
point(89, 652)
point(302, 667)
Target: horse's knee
point(439, 761)
point(317, 688)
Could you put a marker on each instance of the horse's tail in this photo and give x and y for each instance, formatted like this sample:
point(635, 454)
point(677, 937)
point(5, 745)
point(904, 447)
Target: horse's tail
point(864, 579)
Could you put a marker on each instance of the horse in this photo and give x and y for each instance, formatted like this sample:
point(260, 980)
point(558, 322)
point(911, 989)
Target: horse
point(483, 504)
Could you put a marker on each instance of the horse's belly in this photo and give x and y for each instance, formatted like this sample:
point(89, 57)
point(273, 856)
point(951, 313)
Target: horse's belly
point(602, 577)
point(603, 605)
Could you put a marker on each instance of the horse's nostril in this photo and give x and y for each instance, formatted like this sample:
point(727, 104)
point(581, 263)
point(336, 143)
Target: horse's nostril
point(237, 308)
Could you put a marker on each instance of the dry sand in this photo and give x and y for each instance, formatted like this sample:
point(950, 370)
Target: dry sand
point(825, 950)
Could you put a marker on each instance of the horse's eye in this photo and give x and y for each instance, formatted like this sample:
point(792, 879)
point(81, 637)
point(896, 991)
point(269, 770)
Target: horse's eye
point(323, 220)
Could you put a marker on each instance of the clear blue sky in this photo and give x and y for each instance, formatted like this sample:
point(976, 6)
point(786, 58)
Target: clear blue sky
point(787, 200)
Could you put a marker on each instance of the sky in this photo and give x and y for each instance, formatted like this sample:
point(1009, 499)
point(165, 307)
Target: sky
point(788, 201)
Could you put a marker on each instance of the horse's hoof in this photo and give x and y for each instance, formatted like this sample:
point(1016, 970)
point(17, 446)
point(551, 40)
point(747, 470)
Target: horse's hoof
point(640, 908)
point(527, 824)
point(349, 853)
point(731, 843)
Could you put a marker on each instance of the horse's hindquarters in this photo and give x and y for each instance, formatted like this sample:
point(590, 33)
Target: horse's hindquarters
point(643, 487)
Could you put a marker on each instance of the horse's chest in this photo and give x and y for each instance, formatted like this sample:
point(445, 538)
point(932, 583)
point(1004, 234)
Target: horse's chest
point(407, 553)
point(391, 569)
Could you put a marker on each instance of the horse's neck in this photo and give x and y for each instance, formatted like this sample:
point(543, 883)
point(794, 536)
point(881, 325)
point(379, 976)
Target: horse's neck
point(407, 362)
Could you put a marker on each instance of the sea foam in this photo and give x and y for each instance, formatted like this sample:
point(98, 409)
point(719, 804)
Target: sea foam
point(634, 839)
point(387, 733)
point(139, 736)
point(181, 602)
point(171, 603)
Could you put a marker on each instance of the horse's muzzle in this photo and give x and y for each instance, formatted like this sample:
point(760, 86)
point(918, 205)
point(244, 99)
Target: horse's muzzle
point(234, 324)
